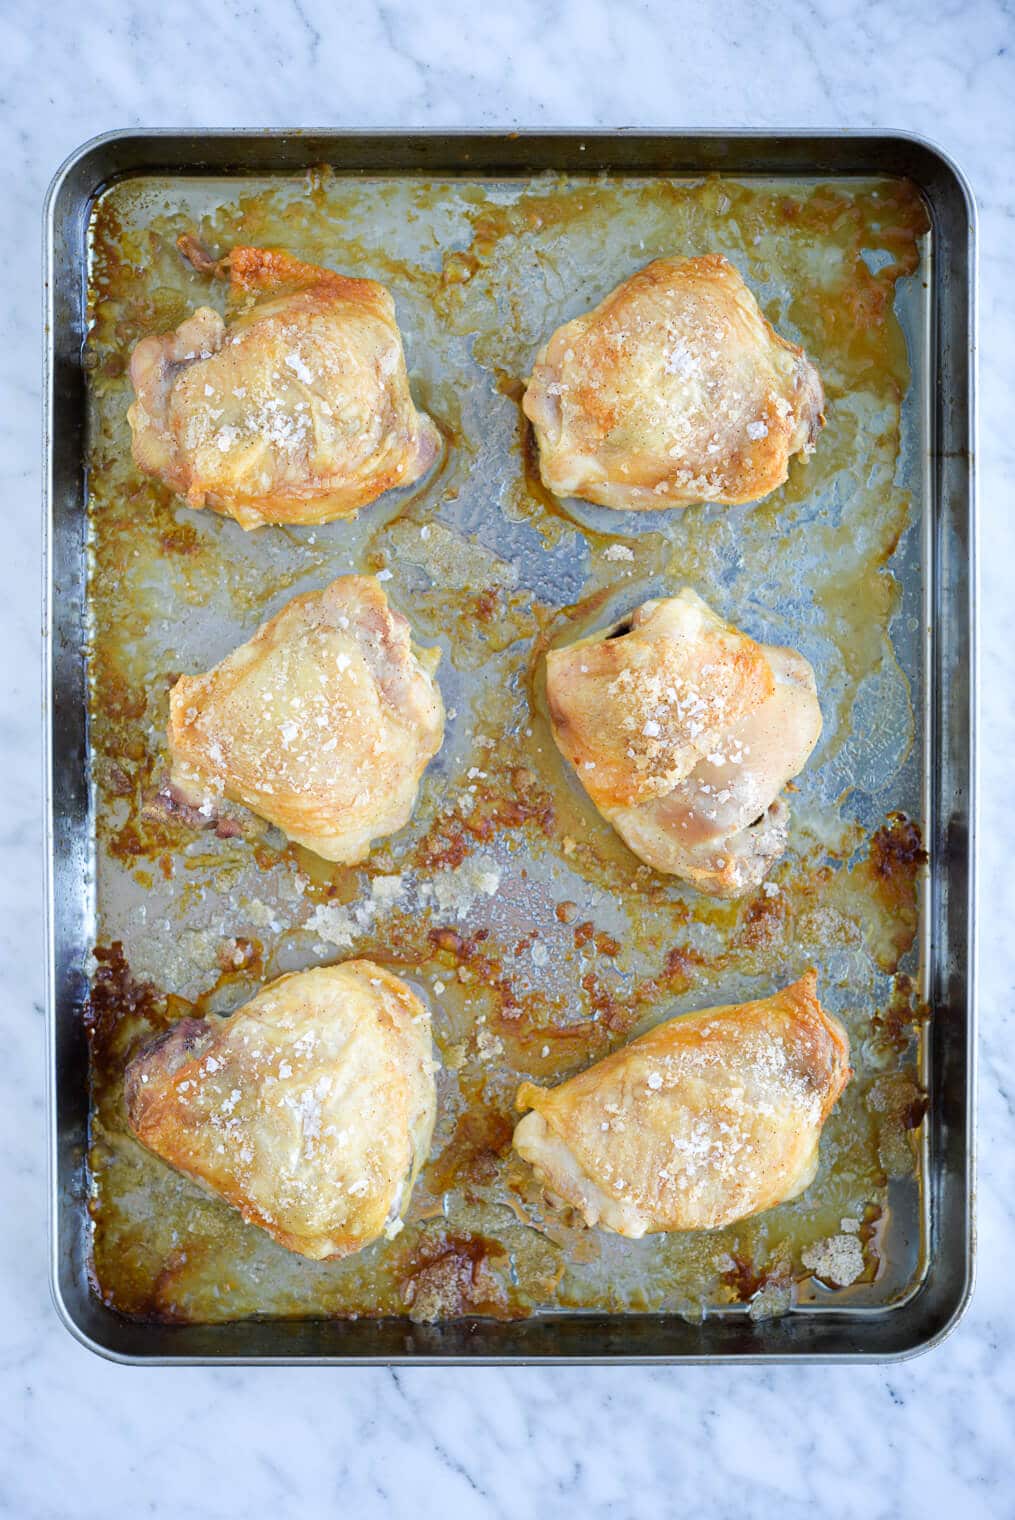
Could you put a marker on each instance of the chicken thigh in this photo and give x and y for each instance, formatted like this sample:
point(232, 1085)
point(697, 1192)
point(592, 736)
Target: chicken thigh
point(674, 389)
point(322, 723)
point(705, 1120)
point(296, 411)
point(310, 1109)
point(683, 731)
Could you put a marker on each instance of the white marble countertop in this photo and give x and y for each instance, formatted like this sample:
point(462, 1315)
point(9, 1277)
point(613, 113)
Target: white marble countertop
point(82, 1436)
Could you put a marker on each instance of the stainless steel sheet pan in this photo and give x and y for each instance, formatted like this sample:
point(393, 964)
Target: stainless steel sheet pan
point(488, 241)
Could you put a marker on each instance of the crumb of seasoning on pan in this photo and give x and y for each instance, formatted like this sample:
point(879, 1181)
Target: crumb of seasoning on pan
point(338, 925)
point(837, 1260)
point(386, 889)
point(488, 1045)
point(457, 889)
point(772, 1300)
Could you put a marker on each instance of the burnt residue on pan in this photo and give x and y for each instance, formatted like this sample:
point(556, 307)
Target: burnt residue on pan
point(540, 941)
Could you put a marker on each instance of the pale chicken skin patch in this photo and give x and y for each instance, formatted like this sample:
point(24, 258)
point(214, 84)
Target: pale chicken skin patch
point(707, 1119)
point(683, 731)
point(310, 1109)
point(673, 390)
point(297, 410)
point(322, 723)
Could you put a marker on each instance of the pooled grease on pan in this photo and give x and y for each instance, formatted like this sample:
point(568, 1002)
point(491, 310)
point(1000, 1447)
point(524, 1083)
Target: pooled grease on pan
point(539, 941)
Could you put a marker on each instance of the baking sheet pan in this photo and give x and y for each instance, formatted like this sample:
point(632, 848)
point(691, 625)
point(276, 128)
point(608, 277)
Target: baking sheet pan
point(466, 213)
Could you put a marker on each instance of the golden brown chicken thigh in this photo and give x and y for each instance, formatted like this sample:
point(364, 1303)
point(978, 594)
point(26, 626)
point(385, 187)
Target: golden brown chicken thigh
point(707, 1119)
point(684, 731)
point(296, 411)
point(310, 1109)
point(673, 390)
point(322, 723)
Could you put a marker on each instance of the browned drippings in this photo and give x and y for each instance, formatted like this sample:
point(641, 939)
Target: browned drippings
point(896, 859)
point(449, 1276)
point(480, 1141)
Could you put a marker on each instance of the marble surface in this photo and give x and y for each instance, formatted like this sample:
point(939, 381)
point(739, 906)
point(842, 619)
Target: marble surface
point(79, 1435)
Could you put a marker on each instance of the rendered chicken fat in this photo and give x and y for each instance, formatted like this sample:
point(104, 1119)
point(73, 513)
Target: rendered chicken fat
point(322, 723)
point(297, 411)
point(705, 1120)
point(683, 732)
point(673, 390)
point(310, 1109)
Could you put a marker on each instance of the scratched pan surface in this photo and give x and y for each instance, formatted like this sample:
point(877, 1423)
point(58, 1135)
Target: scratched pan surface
point(538, 941)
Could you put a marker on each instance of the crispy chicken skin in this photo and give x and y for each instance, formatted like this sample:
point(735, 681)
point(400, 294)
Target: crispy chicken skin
point(705, 1120)
point(322, 723)
point(310, 1109)
point(683, 731)
point(674, 389)
point(296, 411)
